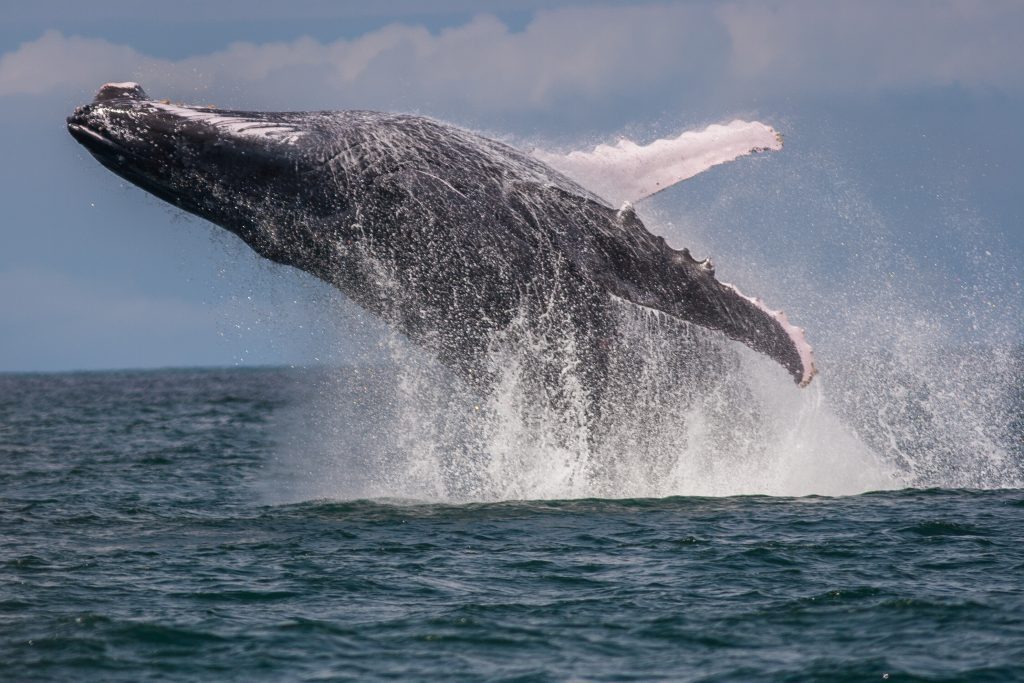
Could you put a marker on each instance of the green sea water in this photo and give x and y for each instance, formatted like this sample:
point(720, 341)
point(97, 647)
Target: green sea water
point(152, 528)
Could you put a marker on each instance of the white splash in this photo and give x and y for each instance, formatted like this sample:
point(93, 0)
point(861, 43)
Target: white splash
point(737, 429)
point(630, 172)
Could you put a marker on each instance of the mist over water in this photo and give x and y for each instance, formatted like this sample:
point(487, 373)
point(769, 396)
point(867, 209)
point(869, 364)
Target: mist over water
point(920, 382)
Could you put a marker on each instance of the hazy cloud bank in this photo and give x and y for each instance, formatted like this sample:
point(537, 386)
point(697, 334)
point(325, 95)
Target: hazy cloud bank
point(709, 49)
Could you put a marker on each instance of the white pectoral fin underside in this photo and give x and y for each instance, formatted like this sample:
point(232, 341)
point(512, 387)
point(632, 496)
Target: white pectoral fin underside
point(630, 172)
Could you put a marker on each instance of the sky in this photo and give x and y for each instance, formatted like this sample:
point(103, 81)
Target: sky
point(902, 170)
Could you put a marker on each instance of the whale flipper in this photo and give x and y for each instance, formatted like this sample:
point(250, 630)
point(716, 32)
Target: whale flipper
point(630, 172)
point(677, 284)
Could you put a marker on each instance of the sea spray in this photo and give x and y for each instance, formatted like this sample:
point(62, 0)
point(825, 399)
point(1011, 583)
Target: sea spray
point(920, 353)
point(906, 398)
point(684, 413)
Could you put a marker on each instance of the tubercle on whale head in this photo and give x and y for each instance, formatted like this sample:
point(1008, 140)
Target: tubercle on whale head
point(231, 168)
point(114, 91)
point(684, 256)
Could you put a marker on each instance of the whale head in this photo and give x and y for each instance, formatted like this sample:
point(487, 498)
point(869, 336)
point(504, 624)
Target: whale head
point(253, 173)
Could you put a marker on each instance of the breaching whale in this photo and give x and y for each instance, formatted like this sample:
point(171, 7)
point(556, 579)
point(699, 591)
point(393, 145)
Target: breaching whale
point(447, 235)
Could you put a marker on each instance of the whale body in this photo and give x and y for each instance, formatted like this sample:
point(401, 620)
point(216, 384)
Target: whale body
point(447, 235)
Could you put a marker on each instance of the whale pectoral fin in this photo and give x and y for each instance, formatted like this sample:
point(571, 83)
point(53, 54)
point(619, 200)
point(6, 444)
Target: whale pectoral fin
point(627, 171)
point(770, 332)
point(679, 285)
point(640, 267)
point(691, 292)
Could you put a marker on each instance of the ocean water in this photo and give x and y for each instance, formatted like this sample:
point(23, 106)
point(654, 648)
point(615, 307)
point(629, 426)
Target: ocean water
point(180, 525)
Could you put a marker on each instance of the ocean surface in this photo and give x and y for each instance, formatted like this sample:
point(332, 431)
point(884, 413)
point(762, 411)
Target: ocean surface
point(160, 525)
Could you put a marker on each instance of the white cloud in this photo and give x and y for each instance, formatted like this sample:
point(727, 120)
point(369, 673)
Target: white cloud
point(868, 45)
point(481, 64)
point(573, 54)
point(56, 61)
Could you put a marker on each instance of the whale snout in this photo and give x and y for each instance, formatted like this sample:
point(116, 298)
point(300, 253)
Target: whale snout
point(125, 114)
point(204, 159)
point(113, 121)
point(114, 127)
point(83, 117)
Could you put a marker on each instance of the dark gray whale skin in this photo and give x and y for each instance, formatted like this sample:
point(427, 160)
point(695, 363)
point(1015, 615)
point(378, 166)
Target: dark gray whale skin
point(447, 235)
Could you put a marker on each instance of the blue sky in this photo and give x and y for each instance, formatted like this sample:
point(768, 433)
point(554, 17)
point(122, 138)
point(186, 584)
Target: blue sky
point(897, 195)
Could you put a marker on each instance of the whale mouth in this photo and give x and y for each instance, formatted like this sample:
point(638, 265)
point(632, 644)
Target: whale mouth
point(93, 140)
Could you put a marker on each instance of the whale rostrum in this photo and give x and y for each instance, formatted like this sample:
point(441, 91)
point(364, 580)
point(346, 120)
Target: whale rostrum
point(447, 235)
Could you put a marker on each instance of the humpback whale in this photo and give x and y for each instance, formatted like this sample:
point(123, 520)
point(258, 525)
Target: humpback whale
point(447, 235)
